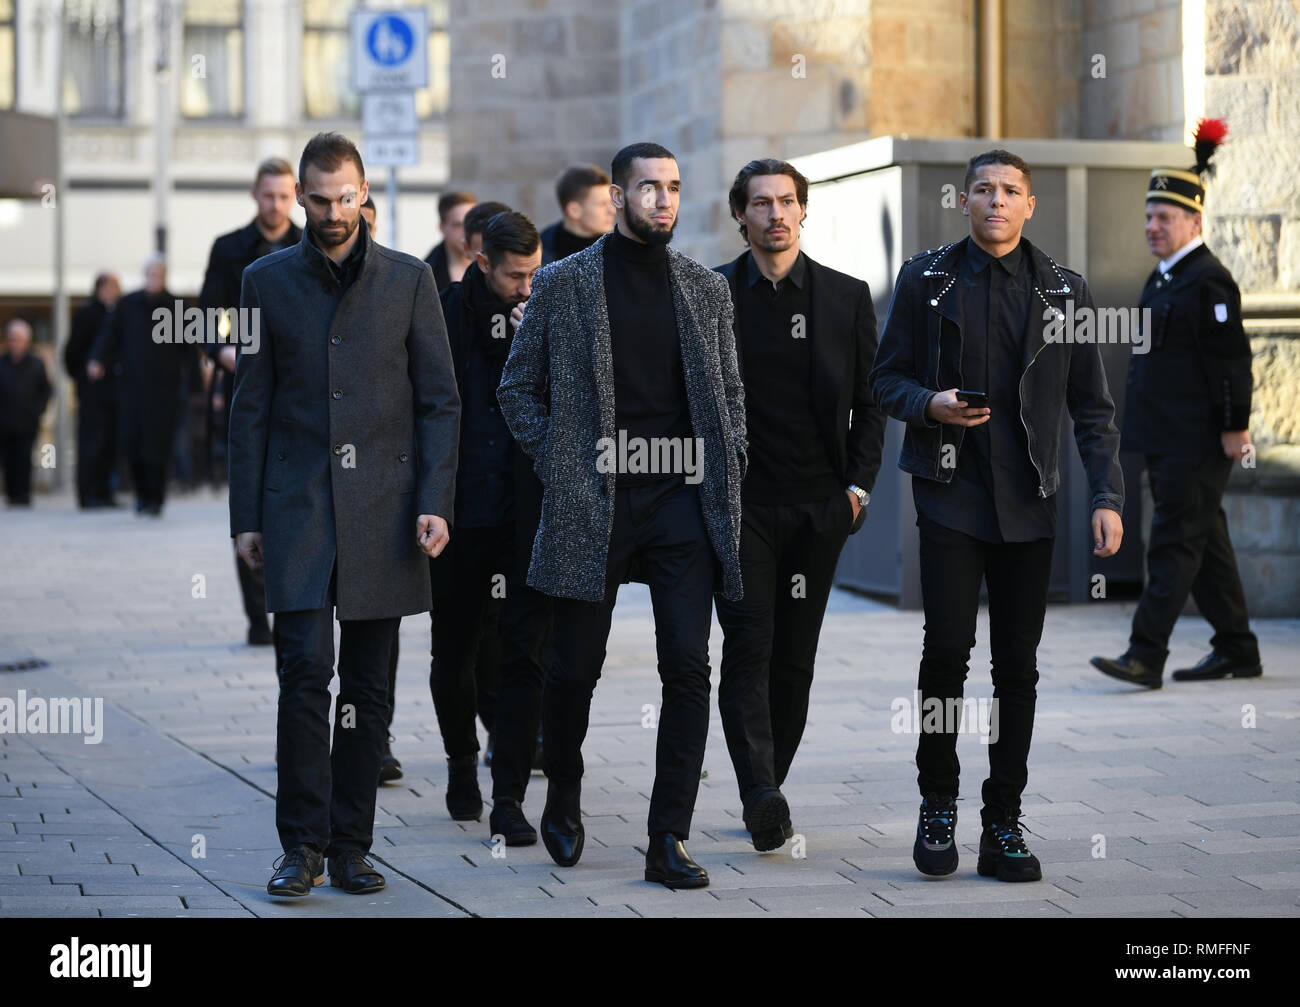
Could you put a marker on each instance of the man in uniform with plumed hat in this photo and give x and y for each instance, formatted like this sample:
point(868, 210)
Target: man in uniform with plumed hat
point(1187, 411)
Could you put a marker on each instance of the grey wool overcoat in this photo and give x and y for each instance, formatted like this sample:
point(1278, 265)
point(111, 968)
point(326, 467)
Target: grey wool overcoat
point(557, 395)
point(344, 427)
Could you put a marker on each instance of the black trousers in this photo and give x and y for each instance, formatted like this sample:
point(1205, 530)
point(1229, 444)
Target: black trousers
point(1190, 552)
point(96, 440)
point(788, 556)
point(326, 794)
point(17, 457)
point(525, 646)
point(150, 482)
point(465, 649)
point(1017, 575)
point(662, 528)
point(392, 677)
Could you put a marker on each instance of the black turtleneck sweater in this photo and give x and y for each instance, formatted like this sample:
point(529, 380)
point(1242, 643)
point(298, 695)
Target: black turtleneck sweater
point(566, 242)
point(649, 385)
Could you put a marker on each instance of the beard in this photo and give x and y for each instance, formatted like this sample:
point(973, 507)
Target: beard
point(775, 242)
point(646, 229)
point(329, 239)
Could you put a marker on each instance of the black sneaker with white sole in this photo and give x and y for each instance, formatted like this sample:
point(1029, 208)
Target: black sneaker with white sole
point(935, 849)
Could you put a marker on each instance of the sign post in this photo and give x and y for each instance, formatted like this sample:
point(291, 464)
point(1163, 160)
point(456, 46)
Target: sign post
point(390, 62)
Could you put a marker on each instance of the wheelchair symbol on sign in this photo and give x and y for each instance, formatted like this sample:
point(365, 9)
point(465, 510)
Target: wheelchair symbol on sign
point(389, 40)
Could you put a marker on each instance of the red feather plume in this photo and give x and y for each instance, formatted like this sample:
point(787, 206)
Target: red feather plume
point(1210, 133)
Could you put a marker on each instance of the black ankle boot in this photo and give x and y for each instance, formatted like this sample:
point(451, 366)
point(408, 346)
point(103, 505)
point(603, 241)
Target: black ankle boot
point(464, 800)
point(562, 831)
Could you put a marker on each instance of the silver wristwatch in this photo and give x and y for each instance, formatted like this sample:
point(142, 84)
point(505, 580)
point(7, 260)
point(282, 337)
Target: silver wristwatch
point(862, 495)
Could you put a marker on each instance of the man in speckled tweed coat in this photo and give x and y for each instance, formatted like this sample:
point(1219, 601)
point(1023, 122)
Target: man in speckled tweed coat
point(623, 388)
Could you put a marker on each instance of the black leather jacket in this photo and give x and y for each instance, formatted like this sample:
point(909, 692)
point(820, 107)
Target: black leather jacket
point(920, 355)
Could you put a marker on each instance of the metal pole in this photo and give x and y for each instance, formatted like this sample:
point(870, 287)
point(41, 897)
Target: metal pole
point(162, 126)
point(390, 239)
point(62, 420)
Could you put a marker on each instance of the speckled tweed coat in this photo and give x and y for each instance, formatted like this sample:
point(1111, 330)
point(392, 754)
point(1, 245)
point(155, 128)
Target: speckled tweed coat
point(557, 395)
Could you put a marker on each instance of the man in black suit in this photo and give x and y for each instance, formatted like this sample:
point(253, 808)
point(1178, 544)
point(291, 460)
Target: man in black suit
point(269, 231)
point(343, 437)
point(449, 258)
point(475, 579)
point(150, 364)
point(24, 393)
point(96, 407)
point(805, 339)
point(1187, 411)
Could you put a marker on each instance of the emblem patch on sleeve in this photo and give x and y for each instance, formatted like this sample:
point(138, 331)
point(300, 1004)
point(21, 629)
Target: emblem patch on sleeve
point(1220, 312)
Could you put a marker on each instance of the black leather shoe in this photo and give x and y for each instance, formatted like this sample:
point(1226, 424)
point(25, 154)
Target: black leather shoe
point(297, 872)
point(260, 635)
point(1216, 665)
point(1129, 669)
point(507, 820)
point(389, 768)
point(767, 817)
point(668, 863)
point(562, 831)
point(464, 799)
point(351, 871)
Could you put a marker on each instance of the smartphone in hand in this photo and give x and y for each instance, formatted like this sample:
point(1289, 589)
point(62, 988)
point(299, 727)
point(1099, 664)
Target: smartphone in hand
point(973, 400)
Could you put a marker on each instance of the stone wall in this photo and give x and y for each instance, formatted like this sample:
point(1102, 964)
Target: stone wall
point(1252, 79)
point(1045, 67)
point(1141, 95)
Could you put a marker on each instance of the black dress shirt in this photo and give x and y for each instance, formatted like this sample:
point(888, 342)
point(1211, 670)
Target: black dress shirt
point(993, 495)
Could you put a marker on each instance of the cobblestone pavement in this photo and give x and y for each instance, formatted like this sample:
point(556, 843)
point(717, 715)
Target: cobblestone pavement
point(1182, 802)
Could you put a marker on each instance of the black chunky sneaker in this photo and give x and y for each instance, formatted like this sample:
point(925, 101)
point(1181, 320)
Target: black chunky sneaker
point(935, 849)
point(389, 768)
point(1003, 853)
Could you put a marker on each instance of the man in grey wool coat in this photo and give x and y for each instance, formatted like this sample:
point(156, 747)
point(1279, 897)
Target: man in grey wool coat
point(344, 430)
point(622, 386)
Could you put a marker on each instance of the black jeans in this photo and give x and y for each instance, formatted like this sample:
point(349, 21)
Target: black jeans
point(326, 795)
point(477, 564)
point(1017, 575)
point(662, 528)
point(17, 451)
point(525, 646)
point(788, 556)
point(1190, 552)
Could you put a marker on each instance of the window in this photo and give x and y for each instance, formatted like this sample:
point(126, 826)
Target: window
point(326, 61)
point(92, 58)
point(8, 72)
point(212, 64)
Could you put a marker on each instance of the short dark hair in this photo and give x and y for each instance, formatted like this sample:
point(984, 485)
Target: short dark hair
point(509, 231)
point(101, 279)
point(328, 151)
point(738, 197)
point(575, 181)
point(997, 156)
point(477, 218)
point(622, 162)
point(448, 201)
point(274, 166)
